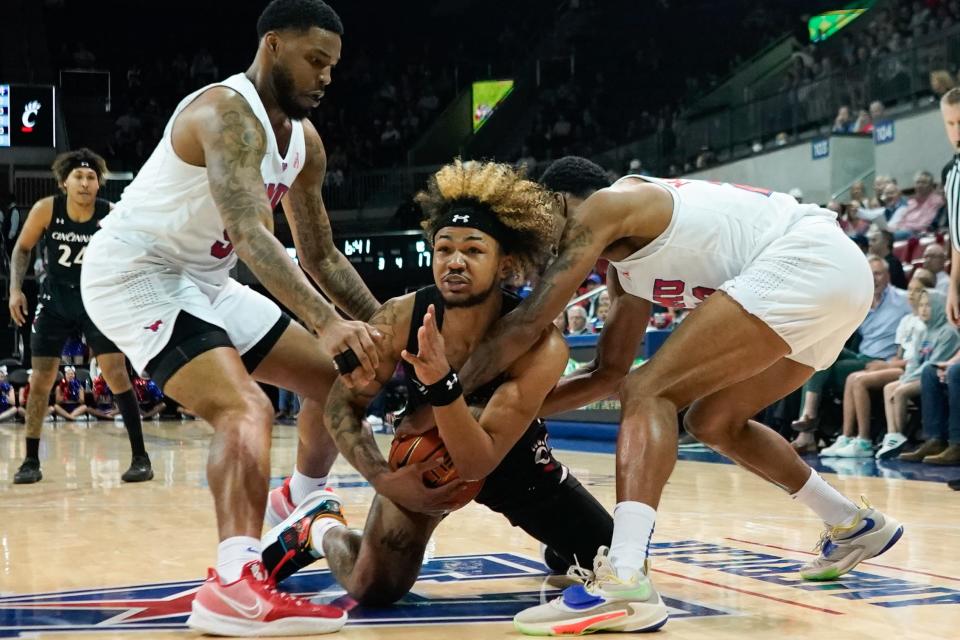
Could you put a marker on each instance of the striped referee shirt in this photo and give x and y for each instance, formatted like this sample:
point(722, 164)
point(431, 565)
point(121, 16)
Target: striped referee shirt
point(950, 179)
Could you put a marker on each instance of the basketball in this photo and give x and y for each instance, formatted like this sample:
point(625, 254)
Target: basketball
point(429, 446)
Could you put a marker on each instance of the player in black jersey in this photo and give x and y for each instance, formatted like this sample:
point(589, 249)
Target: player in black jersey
point(63, 225)
point(485, 223)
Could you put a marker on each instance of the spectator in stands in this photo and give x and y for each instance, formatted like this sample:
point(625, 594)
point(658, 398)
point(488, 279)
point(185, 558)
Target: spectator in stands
point(843, 123)
point(863, 123)
point(921, 209)
point(10, 220)
point(8, 402)
point(103, 406)
point(149, 397)
point(879, 184)
point(926, 337)
point(877, 111)
point(562, 322)
point(941, 81)
point(877, 342)
point(797, 194)
point(940, 398)
point(600, 313)
point(577, 317)
point(881, 245)
point(70, 396)
point(935, 261)
point(858, 193)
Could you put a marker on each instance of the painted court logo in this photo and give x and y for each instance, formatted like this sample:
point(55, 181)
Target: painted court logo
point(166, 606)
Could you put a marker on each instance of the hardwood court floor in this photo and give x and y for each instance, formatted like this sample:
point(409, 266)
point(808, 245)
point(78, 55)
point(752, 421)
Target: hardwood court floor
point(120, 561)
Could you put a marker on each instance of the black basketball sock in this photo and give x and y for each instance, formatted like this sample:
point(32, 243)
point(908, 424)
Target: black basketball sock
point(33, 448)
point(130, 410)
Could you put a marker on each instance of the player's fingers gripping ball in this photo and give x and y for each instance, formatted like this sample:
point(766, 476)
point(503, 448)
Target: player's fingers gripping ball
point(425, 447)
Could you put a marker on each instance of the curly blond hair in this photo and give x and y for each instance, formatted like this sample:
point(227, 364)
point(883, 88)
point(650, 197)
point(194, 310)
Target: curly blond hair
point(531, 212)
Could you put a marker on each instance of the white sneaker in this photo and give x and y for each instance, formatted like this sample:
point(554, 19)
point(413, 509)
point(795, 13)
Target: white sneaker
point(604, 603)
point(843, 548)
point(841, 442)
point(893, 443)
point(856, 448)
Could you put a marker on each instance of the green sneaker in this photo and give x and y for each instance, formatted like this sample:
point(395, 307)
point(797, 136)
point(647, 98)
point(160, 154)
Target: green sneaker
point(604, 602)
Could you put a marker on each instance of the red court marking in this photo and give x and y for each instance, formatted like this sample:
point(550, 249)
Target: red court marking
point(871, 564)
point(749, 593)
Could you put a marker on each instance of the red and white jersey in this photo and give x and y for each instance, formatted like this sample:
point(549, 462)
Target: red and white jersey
point(716, 231)
point(168, 208)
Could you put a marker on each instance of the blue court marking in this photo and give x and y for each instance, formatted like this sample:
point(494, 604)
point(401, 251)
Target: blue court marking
point(165, 606)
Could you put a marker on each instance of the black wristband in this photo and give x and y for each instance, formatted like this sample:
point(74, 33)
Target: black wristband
point(445, 390)
point(346, 361)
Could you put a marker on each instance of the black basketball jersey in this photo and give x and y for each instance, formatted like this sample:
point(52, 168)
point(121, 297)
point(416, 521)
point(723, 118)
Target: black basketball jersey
point(424, 298)
point(65, 241)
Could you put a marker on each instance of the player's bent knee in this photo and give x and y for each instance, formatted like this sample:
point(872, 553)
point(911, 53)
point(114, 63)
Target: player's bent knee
point(711, 428)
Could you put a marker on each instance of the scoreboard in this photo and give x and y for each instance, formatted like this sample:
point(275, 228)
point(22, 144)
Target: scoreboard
point(27, 116)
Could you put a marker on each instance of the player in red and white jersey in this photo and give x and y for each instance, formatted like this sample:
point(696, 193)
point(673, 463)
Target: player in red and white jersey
point(776, 289)
point(156, 280)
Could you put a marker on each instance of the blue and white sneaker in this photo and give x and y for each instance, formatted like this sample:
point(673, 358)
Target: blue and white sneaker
point(843, 548)
point(604, 602)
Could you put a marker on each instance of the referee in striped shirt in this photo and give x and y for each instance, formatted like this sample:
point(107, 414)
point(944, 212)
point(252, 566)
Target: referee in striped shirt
point(950, 110)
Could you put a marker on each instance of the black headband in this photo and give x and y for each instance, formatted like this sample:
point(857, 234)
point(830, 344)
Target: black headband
point(474, 215)
point(82, 163)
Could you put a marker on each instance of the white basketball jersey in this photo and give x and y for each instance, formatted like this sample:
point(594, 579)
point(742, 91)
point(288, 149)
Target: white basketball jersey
point(169, 210)
point(716, 230)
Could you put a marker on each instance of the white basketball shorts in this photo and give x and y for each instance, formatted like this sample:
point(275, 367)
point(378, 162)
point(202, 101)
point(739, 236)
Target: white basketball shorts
point(134, 298)
point(813, 286)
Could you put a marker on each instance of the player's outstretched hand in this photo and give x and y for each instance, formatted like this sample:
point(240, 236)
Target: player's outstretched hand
point(405, 488)
point(18, 308)
point(358, 337)
point(431, 362)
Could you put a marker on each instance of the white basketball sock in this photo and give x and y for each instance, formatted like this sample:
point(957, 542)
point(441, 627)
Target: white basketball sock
point(302, 485)
point(320, 528)
point(233, 553)
point(828, 503)
point(633, 524)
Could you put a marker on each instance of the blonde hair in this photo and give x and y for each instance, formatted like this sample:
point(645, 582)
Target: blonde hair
point(529, 211)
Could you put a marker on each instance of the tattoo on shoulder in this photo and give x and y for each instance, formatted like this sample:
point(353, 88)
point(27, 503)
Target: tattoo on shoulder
point(576, 236)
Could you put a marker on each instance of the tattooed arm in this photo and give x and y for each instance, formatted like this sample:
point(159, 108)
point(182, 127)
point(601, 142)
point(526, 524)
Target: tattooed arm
point(37, 222)
point(233, 143)
point(345, 410)
point(595, 225)
point(312, 235)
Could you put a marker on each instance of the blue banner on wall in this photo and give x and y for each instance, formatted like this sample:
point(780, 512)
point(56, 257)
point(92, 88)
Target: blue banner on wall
point(883, 132)
point(820, 148)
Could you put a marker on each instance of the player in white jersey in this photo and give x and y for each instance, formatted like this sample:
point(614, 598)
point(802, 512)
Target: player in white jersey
point(156, 281)
point(777, 288)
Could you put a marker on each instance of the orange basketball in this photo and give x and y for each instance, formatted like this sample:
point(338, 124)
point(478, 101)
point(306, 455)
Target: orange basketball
point(429, 446)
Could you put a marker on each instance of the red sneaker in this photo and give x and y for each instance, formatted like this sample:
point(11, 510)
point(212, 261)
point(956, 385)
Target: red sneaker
point(279, 504)
point(252, 606)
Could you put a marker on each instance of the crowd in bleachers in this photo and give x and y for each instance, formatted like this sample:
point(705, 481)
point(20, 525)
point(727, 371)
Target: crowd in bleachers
point(904, 354)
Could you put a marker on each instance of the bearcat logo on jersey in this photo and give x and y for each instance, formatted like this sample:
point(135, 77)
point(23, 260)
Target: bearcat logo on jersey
point(123, 611)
